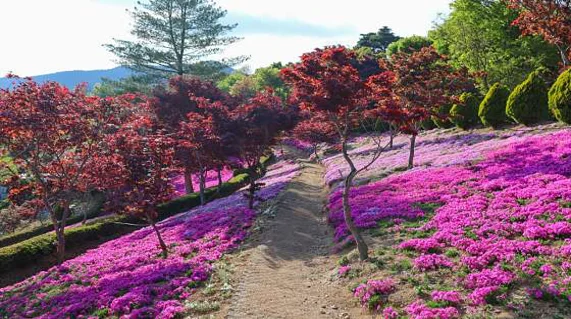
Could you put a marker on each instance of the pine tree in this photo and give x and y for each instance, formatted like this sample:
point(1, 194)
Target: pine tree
point(176, 37)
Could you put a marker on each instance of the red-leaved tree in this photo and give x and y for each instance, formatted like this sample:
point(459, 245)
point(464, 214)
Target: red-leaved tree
point(56, 137)
point(414, 87)
point(255, 127)
point(146, 156)
point(198, 139)
point(550, 19)
point(316, 130)
point(172, 105)
point(327, 83)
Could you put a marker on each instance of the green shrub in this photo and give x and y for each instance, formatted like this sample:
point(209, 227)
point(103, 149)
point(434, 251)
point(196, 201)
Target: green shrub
point(492, 111)
point(443, 120)
point(427, 124)
point(528, 102)
point(560, 98)
point(465, 114)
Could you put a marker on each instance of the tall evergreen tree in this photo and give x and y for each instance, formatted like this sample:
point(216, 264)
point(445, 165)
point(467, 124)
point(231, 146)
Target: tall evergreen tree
point(176, 37)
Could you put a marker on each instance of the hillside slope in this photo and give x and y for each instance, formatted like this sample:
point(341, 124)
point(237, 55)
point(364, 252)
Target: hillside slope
point(72, 78)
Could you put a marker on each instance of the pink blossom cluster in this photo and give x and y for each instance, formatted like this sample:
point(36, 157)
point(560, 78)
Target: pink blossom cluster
point(343, 270)
point(432, 262)
point(374, 288)
point(419, 310)
point(128, 278)
point(510, 203)
point(450, 297)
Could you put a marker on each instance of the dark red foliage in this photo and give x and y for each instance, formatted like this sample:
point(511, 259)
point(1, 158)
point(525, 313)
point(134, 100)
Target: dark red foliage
point(415, 86)
point(58, 139)
point(550, 19)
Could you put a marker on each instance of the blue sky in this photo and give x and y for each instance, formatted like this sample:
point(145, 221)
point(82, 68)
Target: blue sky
point(58, 35)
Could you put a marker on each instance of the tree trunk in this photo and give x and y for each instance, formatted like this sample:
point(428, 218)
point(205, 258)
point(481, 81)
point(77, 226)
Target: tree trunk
point(202, 186)
point(564, 57)
point(316, 154)
point(252, 188)
point(189, 188)
point(392, 138)
point(219, 172)
point(60, 236)
point(164, 248)
point(59, 227)
point(347, 212)
point(411, 155)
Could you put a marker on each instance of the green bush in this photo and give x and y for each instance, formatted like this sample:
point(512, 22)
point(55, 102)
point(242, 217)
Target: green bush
point(528, 102)
point(465, 114)
point(560, 98)
point(427, 124)
point(443, 120)
point(34, 248)
point(492, 111)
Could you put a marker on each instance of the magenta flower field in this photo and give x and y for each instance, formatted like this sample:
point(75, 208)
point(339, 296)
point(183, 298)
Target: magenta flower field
point(436, 148)
point(128, 278)
point(502, 219)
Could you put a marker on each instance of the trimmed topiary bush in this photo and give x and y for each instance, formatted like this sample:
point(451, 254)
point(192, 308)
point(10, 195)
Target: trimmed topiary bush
point(442, 120)
point(492, 111)
point(528, 102)
point(560, 98)
point(465, 114)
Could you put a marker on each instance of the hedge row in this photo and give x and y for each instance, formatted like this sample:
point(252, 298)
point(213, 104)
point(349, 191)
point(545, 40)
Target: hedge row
point(34, 248)
point(17, 237)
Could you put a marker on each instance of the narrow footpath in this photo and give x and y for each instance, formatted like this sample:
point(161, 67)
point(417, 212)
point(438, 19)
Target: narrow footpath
point(288, 273)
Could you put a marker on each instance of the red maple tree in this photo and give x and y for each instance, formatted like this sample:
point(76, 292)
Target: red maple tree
point(255, 128)
point(56, 137)
point(316, 130)
point(550, 19)
point(146, 155)
point(173, 104)
point(414, 87)
point(327, 83)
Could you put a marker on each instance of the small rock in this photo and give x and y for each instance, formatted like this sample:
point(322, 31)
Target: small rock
point(323, 306)
point(334, 307)
point(322, 312)
point(345, 315)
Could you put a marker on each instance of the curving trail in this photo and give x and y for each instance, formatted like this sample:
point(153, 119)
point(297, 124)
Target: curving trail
point(288, 272)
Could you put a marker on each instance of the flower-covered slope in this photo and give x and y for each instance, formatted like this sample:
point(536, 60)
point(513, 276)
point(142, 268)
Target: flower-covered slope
point(127, 277)
point(499, 224)
point(436, 148)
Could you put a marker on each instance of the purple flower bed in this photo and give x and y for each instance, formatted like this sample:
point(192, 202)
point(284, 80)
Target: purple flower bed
point(211, 181)
point(127, 277)
point(300, 145)
point(508, 216)
point(435, 148)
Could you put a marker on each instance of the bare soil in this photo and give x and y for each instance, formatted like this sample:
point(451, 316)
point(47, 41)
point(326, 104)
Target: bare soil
point(289, 271)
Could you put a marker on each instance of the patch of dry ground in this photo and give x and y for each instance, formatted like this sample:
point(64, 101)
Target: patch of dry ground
point(289, 271)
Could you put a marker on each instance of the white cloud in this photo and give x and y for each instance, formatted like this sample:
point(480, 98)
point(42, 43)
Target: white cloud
point(406, 17)
point(47, 36)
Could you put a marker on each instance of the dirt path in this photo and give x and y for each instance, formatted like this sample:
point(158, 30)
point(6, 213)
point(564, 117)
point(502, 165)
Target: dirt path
point(288, 274)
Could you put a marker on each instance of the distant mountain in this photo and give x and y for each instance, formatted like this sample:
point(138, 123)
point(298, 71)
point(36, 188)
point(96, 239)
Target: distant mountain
point(72, 78)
